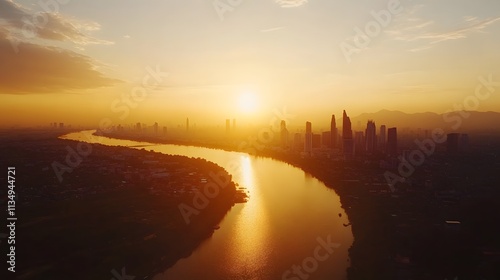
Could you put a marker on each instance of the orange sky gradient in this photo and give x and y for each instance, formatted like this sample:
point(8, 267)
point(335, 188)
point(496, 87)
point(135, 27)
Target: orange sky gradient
point(80, 62)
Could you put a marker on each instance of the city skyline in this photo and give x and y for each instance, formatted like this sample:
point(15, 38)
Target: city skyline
point(250, 139)
point(242, 62)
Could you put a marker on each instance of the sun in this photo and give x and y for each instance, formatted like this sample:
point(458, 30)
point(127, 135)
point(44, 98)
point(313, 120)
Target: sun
point(247, 102)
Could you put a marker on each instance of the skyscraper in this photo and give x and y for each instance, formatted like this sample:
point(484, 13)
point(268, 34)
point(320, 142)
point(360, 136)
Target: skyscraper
point(228, 126)
point(371, 137)
point(187, 124)
point(348, 146)
point(326, 138)
point(297, 142)
point(284, 134)
point(333, 133)
point(316, 140)
point(392, 141)
point(359, 143)
point(382, 137)
point(308, 138)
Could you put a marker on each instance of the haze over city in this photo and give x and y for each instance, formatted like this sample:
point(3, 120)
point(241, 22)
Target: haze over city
point(250, 139)
point(241, 61)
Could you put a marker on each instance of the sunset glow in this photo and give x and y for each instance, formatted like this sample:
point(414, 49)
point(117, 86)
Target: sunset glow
point(250, 139)
point(247, 102)
point(307, 55)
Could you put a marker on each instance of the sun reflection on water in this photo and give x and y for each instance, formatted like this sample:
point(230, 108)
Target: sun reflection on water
point(248, 252)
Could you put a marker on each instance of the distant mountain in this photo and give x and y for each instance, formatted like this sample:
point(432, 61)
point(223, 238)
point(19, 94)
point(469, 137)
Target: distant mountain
point(487, 122)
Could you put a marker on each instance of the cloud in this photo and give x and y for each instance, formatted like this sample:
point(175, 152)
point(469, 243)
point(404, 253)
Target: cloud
point(42, 69)
point(423, 32)
point(24, 25)
point(291, 3)
point(272, 29)
point(460, 33)
point(470, 18)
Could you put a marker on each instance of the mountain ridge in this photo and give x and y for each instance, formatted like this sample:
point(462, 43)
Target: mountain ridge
point(455, 121)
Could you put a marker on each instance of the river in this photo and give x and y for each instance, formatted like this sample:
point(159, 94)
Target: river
point(282, 232)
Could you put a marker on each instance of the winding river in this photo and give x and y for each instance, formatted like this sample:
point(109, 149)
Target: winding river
point(280, 233)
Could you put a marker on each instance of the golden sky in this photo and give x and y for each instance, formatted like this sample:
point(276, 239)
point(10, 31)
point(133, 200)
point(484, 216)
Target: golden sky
point(81, 61)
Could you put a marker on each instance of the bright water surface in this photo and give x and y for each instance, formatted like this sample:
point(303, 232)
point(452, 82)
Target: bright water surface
point(279, 226)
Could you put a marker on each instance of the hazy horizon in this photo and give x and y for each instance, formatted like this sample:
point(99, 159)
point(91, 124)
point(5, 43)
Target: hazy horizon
point(296, 123)
point(250, 139)
point(152, 61)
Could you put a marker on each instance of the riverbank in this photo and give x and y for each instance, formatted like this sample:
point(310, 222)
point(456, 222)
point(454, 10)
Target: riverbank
point(369, 254)
point(118, 208)
point(440, 224)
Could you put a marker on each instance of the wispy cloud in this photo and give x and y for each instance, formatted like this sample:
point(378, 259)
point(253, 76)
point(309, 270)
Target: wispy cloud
point(422, 48)
point(24, 26)
point(460, 33)
point(425, 33)
point(272, 29)
point(470, 18)
point(291, 3)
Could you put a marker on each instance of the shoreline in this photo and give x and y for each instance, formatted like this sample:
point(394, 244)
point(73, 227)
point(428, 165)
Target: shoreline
point(393, 228)
point(122, 219)
point(364, 261)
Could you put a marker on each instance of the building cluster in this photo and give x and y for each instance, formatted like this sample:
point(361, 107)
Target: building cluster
point(346, 143)
point(112, 170)
point(56, 125)
point(339, 142)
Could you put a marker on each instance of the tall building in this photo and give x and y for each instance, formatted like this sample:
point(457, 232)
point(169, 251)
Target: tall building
point(155, 127)
point(371, 137)
point(283, 134)
point(187, 124)
point(228, 126)
point(297, 142)
point(359, 143)
point(382, 137)
point(392, 141)
point(308, 138)
point(234, 124)
point(316, 140)
point(333, 133)
point(347, 143)
point(326, 138)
